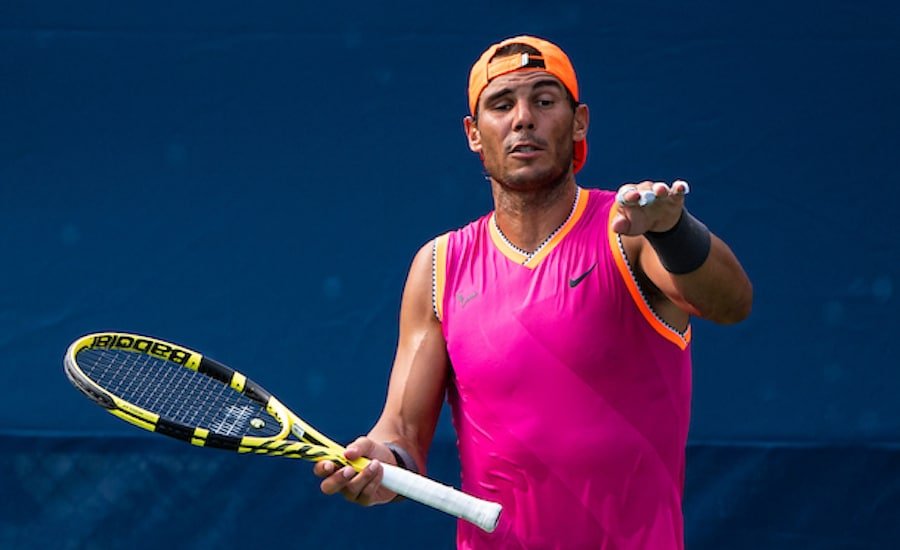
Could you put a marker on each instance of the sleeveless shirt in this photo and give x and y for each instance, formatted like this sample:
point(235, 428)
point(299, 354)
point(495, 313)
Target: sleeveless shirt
point(569, 396)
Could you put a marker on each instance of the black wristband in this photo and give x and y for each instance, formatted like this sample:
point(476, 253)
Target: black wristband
point(403, 458)
point(685, 247)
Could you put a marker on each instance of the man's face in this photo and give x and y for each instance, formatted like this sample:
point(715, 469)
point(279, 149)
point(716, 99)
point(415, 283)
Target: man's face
point(525, 129)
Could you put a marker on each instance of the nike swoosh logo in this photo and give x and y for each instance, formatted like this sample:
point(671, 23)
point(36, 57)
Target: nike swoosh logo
point(463, 299)
point(574, 282)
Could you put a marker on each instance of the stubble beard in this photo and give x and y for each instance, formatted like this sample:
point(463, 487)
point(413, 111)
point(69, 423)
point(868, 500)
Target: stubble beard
point(533, 187)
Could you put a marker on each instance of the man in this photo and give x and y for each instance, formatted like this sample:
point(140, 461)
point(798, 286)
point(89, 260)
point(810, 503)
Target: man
point(558, 326)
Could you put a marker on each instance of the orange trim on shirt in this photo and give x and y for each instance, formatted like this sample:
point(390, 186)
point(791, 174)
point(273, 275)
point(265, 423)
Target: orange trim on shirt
point(665, 331)
point(501, 245)
point(563, 231)
point(439, 273)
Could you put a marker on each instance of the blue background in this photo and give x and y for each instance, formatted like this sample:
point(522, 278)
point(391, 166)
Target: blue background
point(253, 182)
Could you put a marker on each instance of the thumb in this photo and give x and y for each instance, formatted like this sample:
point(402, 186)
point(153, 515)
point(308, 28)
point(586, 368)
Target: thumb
point(620, 224)
point(360, 447)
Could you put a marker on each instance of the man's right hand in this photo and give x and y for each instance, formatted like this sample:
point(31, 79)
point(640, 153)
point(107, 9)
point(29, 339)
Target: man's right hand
point(363, 487)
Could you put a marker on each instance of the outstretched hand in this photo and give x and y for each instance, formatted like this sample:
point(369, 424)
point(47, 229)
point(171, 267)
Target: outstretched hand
point(362, 487)
point(648, 206)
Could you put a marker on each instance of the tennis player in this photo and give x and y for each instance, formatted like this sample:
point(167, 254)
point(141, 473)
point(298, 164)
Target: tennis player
point(558, 327)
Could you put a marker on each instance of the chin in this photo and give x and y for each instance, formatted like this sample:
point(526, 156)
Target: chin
point(534, 177)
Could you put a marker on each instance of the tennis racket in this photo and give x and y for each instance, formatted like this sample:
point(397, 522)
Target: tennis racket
point(171, 390)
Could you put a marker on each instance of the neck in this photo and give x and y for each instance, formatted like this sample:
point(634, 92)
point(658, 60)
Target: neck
point(528, 218)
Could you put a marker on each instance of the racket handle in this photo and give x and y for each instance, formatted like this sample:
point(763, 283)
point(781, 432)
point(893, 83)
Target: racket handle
point(483, 513)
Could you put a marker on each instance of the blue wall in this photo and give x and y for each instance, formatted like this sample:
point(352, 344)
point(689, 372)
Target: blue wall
point(253, 182)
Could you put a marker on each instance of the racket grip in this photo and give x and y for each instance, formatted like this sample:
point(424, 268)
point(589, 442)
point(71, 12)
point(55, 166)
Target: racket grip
point(483, 513)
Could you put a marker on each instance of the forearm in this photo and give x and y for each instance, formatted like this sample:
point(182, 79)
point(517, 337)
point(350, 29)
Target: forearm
point(409, 424)
point(719, 290)
point(696, 270)
point(417, 383)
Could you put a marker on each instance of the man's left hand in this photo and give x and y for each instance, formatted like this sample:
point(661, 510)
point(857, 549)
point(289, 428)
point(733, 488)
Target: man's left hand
point(648, 206)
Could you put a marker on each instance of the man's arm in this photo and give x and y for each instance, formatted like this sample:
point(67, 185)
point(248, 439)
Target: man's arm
point(717, 288)
point(414, 398)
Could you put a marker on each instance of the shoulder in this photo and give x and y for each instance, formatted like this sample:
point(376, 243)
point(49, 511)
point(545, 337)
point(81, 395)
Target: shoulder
point(424, 257)
point(600, 197)
point(432, 250)
point(471, 228)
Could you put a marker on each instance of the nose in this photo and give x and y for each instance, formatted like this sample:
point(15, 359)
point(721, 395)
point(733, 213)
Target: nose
point(523, 116)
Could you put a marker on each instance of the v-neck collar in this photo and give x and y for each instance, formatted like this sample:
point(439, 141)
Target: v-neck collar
point(532, 261)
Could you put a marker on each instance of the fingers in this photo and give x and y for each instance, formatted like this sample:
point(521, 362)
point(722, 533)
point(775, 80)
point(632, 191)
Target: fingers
point(635, 216)
point(323, 469)
point(336, 477)
point(362, 486)
point(646, 193)
point(359, 487)
point(631, 195)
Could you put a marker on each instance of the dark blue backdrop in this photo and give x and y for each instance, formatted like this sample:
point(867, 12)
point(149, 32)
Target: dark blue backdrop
point(253, 182)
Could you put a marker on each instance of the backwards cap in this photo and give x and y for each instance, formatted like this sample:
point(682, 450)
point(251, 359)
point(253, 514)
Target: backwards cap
point(551, 60)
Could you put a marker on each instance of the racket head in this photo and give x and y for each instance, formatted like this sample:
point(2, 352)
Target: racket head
point(169, 389)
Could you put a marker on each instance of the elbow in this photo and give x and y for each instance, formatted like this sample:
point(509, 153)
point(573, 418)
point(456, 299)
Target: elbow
point(734, 310)
point(734, 315)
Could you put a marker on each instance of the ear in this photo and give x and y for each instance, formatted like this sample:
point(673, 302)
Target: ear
point(472, 134)
point(581, 122)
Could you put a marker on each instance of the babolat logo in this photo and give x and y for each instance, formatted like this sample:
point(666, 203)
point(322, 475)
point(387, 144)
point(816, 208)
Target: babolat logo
point(142, 345)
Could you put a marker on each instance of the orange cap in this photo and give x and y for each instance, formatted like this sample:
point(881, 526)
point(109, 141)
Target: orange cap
point(551, 59)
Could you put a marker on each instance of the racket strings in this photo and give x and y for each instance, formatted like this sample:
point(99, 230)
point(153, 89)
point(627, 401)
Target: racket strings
point(176, 393)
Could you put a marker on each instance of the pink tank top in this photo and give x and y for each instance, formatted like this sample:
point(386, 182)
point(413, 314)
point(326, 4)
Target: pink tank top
point(570, 398)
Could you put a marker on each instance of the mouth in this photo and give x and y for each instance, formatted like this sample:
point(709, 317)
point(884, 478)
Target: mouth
point(525, 149)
